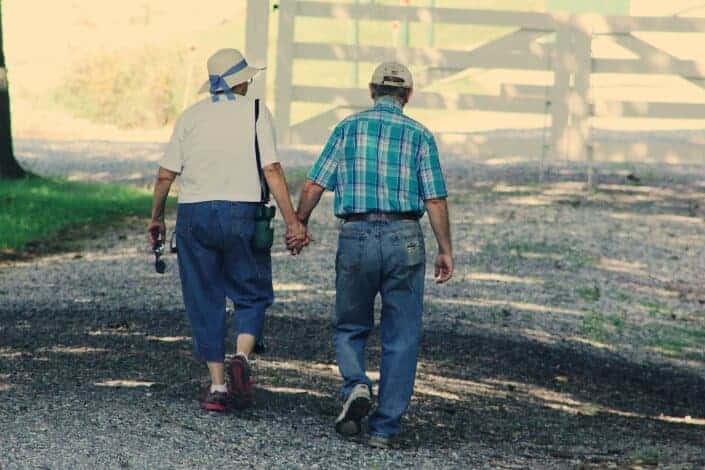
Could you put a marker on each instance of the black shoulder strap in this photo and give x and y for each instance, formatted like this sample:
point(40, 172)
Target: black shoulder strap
point(262, 181)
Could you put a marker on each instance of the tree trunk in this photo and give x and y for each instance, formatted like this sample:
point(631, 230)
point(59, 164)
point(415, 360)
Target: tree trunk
point(9, 168)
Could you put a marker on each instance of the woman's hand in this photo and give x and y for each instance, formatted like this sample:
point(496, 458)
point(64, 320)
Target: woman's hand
point(296, 237)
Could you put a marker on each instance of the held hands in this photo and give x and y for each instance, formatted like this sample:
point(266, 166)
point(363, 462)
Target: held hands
point(443, 268)
point(297, 237)
point(157, 232)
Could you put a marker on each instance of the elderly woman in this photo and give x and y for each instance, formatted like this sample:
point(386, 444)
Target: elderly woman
point(223, 148)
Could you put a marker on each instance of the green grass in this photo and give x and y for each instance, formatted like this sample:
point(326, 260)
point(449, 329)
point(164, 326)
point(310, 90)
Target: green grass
point(601, 327)
point(589, 293)
point(36, 209)
point(677, 341)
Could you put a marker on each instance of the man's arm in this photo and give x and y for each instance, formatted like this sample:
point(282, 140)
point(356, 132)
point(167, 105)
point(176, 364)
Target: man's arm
point(310, 197)
point(440, 223)
point(295, 230)
point(162, 185)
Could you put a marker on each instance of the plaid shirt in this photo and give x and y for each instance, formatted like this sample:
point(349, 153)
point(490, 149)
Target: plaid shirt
point(380, 160)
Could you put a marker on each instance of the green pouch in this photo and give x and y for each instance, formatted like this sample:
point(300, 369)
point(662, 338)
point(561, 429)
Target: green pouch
point(263, 238)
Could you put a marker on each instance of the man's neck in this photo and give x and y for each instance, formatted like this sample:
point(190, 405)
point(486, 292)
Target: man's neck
point(390, 100)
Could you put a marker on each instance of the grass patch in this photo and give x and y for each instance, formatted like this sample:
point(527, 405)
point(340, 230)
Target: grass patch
point(589, 293)
point(675, 340)
point(36, 209)
point(600, 327)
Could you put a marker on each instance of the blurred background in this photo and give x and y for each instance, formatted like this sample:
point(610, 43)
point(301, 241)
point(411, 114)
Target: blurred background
point(123, 71)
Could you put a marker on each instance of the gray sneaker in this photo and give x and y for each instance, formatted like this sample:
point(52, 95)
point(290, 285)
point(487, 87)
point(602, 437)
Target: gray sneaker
point(379, 442)
point(355, 408)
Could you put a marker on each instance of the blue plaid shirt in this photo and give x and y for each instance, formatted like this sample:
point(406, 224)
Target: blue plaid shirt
point(380, 160)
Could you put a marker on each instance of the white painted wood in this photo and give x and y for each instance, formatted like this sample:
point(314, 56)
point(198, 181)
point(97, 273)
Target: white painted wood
point(359, 97)
point(377, 12)
point(474, 145)
point(580, 106)
point(672, 153)
point(490, 58)
point(686, 68)
point(627, 24)
point(316, 130)
point(634, 109)
point(256, 40)
point(512, 90)
point(568, 100)
point(285, 62)
point(564, 70)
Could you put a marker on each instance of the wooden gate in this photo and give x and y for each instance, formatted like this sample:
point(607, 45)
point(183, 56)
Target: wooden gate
point(554, 43)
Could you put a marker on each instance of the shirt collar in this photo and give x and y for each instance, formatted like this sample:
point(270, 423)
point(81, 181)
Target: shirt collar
point(389, 103)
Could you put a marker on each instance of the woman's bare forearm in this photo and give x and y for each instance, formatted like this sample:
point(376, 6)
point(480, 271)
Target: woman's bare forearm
point(162, 186)
point(274, 174)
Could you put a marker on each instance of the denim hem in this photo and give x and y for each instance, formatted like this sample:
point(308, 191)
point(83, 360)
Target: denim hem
point(211, 355)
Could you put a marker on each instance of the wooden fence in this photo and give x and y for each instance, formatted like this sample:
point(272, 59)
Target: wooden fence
point(567, 101)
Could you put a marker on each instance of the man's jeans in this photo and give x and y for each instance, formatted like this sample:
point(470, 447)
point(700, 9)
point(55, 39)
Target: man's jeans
point(216, 260)
point(387, 258)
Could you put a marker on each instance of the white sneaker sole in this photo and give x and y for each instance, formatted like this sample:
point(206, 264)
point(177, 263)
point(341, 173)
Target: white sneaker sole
point(355, 409)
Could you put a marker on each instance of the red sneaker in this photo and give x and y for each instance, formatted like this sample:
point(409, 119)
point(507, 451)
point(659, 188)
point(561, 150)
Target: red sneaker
point(214, 401)
point(240, 385)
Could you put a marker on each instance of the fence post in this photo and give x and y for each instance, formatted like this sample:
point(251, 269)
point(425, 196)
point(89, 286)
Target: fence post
point(581, 106)
point(560, 96)
point(285, 62)
point(570, 101)
point(256, 41)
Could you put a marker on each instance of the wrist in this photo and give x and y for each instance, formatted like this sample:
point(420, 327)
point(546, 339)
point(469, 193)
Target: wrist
point(291, 221)
point(445, 251)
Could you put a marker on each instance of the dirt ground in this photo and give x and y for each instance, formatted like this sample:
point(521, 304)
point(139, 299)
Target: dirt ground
point(573, 335)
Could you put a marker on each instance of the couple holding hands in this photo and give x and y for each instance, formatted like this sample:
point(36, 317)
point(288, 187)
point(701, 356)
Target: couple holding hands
point(385, 172)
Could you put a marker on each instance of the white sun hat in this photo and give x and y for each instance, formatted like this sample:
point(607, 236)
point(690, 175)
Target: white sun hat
point(392, 74)
point(227, 68)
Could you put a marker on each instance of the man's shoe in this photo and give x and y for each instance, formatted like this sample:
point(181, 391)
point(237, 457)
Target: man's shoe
point(240, 384)
point(214, 401)
point(355, 408)
point(379, 442)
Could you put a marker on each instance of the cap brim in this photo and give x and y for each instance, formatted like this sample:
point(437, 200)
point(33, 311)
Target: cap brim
point(240, 77)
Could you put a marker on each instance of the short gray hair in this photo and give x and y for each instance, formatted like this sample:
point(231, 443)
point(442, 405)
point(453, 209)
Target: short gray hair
point(399, 93)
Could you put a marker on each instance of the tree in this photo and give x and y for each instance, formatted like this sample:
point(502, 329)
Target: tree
point(9, 168)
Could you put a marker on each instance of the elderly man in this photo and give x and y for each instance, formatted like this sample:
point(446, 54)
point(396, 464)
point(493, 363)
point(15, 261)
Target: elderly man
point(223, 148)
point(385, 171)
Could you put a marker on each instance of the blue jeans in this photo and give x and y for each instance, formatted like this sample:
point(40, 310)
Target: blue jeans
point(216, 261)
point(387, 258)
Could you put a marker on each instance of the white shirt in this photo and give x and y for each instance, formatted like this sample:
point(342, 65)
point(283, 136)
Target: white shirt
point(213, 149)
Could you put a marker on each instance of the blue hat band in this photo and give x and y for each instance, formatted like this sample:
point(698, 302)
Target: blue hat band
point(218, 82)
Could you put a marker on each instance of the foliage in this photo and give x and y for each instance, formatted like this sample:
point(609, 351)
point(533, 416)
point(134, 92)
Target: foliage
point(133, 88)
point(33, 208)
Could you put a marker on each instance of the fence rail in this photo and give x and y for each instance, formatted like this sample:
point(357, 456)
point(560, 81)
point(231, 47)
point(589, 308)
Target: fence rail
point(569, 58)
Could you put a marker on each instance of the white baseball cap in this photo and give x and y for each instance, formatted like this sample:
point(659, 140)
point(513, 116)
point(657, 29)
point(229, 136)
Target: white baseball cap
point(227, 68)
point(392, 74)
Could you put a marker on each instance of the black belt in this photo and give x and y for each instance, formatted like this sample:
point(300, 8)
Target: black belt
point(381, 216)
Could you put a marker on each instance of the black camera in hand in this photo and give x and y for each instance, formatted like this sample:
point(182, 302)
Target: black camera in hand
point(159, 264)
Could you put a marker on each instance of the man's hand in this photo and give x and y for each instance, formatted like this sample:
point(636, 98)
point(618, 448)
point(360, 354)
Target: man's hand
point(444, 268)
point(296, 237)
point(157, 232)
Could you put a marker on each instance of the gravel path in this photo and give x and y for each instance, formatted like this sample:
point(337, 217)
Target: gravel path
point(572, 335)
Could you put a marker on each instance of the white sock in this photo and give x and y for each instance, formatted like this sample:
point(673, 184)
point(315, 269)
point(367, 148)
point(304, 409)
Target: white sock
point(243, 355)
point(219, 388)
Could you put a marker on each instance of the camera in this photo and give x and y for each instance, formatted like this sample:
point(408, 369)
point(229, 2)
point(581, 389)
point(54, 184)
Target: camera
point(159, 264)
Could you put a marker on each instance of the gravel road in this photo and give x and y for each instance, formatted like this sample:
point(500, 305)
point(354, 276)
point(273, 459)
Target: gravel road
point(523, 364)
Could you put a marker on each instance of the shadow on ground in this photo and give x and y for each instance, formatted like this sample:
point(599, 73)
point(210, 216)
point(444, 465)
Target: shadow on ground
point(548, 400)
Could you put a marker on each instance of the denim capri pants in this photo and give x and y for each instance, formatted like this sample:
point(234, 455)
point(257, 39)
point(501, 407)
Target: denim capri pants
point(216, 261)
